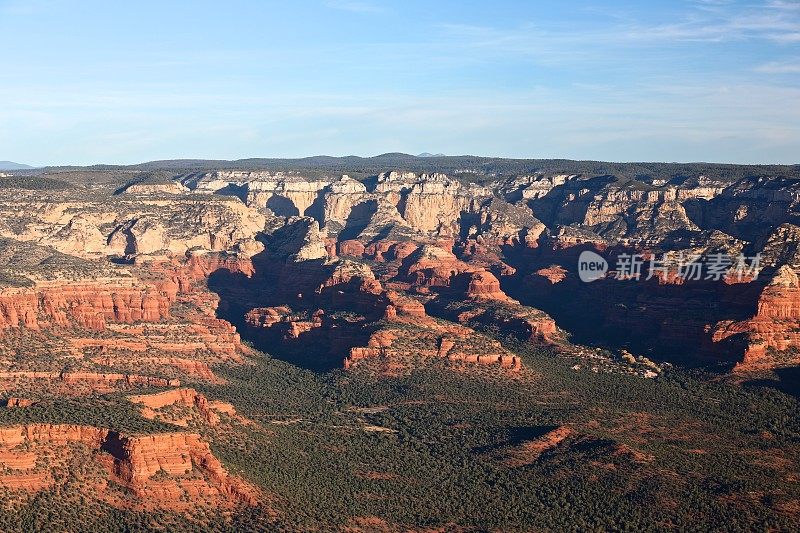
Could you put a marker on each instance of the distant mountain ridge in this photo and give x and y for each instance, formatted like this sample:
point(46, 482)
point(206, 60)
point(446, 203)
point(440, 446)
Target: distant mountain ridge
point(450, 164)
point(464, 167)
point(10, 165)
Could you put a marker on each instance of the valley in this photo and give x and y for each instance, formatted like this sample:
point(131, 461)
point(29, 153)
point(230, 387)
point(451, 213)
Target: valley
point(397, 343)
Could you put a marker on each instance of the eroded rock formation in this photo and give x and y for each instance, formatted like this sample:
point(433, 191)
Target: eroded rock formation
point(90, 306)
point(150, 283)
point(158, 469)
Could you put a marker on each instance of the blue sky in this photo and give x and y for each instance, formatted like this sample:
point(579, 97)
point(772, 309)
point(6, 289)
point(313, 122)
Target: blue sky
point(85, 82)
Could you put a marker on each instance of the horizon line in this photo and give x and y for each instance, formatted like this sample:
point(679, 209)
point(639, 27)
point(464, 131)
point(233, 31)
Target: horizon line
point(417, 156)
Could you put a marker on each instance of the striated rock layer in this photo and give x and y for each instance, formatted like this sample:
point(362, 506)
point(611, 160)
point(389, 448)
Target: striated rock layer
point(84, 305)
point(155, 468)
point(773, 334)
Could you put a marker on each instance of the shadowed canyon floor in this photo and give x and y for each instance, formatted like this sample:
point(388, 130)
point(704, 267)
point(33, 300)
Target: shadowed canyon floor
point(292, 349)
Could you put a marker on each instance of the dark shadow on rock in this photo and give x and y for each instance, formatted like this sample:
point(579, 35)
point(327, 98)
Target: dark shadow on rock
point(358, 219)
point(370, 182)
point(788, 381)
point(276, 283)
point(514, 436)
point(239, 191)
point(468, 220)
point(317, 208)
point(121, 260)
point(668, 322)
point(553, 209)
point(282, 206)
point(114, 446)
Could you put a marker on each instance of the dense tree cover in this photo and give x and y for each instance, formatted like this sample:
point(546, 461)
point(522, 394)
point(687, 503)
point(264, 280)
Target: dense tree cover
point(159, 177)
point(413, 450)
point(111, 411)
point(470, 168)
point(419, 449)
point(62, 510)
point(37, 183)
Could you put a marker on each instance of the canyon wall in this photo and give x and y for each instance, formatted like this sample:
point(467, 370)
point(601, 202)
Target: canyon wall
point(86, 305)
point(153, 467)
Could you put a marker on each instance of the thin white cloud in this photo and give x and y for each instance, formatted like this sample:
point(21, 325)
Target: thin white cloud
point(784, 4)
point(711, 21)
point(612, 87)
point(777, 67)
point(787, 38)
point(776, 21)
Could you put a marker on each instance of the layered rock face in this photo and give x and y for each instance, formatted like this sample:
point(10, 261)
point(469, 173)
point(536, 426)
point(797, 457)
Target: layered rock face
point(105, 327)
point(133, 300)
point(484, 286)
point(398, 203)
point(155, 468)
point(104, 381)
point(432, 266)
point(209, 412)
point(441, 238)
point(431, 239)
point(430, 203)
point(351, 316)
point(133, 225)
point(390, 348)
point(88, 306)
point(773, 334)
point(146, 188)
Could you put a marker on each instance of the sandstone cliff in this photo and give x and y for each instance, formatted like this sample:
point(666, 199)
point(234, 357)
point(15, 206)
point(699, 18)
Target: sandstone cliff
point(154, 468)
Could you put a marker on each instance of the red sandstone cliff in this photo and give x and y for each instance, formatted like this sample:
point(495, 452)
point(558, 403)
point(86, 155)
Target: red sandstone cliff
point(85, 305)
point(208, 411)
point(773, 334)
point(133, 461)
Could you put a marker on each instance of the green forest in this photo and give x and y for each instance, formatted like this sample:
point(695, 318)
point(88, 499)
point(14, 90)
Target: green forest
point(685, 450)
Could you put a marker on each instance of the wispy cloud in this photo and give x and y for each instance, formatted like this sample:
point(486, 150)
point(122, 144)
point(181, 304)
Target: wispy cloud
point(784, 4)
point(719, 20)
point(787, 37)
point(777, 67)
point(711, 21)
point(690, 80)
